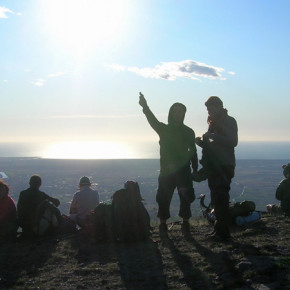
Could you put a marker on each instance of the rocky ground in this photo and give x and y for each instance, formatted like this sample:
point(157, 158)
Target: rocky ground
point(258, 257)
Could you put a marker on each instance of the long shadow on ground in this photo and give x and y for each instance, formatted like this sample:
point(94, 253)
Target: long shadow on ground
point(23, 256)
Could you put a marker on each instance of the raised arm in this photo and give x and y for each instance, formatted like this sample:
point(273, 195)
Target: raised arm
point(152, 120)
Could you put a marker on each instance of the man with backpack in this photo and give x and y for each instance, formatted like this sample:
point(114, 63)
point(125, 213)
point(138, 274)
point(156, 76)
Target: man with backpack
point(33, 205)
point(218, 161)
point(177, 152)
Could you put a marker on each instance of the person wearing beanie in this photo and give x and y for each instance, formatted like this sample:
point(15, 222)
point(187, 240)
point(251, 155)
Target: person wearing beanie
point(283, 190)
point(218, 161)
point(29, 202)
point(177, 158)
point(84, 201)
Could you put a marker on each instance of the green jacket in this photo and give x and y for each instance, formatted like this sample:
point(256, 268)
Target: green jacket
point(177, 144)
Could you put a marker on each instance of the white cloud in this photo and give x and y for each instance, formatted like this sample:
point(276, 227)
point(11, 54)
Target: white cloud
point(92, 116)
point(172, 70)
point(39, 82)
point(231, 73)
point(57, 74)
point(5, 81)
point(4, 11)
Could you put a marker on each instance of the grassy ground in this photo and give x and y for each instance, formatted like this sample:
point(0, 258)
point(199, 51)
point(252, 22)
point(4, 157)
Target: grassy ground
point(258, 256)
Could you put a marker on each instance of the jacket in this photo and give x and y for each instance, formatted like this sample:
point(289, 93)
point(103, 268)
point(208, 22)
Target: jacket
point(283, 194)
point(177, 143)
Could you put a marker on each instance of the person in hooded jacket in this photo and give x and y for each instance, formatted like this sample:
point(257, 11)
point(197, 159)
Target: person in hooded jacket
point(218, 161)
point(283, 190)
point(177, 157)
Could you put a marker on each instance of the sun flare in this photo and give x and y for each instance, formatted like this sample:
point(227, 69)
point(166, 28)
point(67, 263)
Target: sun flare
point(81, 25)
point(87, 150)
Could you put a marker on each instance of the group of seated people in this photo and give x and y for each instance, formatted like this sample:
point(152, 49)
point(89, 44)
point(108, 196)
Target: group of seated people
point(33, 203)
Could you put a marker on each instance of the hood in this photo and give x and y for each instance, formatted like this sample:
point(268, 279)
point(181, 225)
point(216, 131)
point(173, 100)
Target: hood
point(171, 119)
point(286, 170)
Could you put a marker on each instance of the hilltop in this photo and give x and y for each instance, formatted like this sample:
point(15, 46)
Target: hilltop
point(258, 257)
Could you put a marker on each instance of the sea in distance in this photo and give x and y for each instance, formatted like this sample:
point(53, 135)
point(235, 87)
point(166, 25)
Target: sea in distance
point(258, 173)
point(255, 179)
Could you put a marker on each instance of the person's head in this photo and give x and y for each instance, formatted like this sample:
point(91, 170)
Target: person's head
point(214, 105)
point(133, 187)
point(286, 170)
point(84, 181)
point(35, 181)
point(4, 189)
point(176, 114)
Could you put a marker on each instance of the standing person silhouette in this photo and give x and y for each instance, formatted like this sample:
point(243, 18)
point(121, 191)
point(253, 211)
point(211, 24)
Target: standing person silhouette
point(218, 160)
point(177, 152)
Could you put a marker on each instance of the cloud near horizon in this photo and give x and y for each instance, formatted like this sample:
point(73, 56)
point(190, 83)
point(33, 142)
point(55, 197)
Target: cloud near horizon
point(172, 70)
point(93, 116)
point(4, 11)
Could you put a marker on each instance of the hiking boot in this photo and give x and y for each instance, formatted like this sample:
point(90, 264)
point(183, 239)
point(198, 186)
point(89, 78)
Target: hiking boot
point(185, 227)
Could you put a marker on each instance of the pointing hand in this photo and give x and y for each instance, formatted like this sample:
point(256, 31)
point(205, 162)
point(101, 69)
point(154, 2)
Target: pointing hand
point(142, 100)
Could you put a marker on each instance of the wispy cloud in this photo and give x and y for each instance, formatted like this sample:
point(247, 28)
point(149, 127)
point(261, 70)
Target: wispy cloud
point(39, 82)
point(92, 116)
point(231, 73)
point(57, 74)
point(172, 70)
point(5, 81)
point(4, 11)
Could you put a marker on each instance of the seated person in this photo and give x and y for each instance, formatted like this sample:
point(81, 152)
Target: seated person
point(84, 201)
point(30, 202)
point(8, 224)
point(283, 190)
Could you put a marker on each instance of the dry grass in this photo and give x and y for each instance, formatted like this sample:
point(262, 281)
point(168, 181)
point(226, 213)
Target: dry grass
point(259, 254)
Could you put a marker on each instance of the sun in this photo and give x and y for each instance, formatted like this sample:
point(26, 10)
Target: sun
point(79, 26)
point(87, 150)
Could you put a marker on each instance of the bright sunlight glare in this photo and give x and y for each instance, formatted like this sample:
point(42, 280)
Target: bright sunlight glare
point(87, 150)
point(79, 26)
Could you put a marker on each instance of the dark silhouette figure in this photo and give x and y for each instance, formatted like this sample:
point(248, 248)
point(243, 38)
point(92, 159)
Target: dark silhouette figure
point(29, 203)
point(8, 224)
point(218, 161)
point(177, 152)
point(283, 190)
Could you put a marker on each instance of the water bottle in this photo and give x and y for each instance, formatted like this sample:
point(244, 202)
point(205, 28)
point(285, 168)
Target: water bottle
point(242, 220)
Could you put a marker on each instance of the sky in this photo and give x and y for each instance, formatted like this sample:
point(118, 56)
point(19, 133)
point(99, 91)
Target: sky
point(71, 72)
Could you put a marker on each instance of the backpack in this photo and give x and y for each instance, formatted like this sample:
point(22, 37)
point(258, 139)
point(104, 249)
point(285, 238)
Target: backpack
point(47, 219)
point(243, 208)
point(99, 223)
point(236, 209)
point(131, 221)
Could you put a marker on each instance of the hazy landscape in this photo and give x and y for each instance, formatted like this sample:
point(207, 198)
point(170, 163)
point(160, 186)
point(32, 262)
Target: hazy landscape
point(255, 180)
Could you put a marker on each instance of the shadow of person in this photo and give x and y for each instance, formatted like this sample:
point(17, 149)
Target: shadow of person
point(192, 276)
point(141, 265)
point(220, 263)
point(23, 257)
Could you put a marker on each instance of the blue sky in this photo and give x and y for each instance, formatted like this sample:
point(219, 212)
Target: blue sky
point(71, 71)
